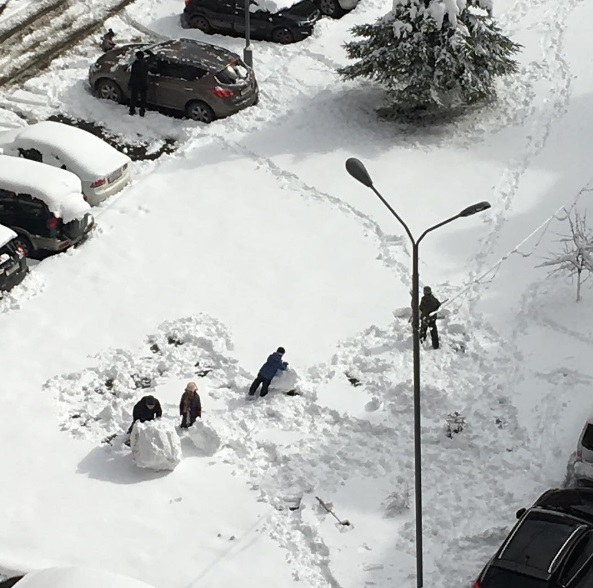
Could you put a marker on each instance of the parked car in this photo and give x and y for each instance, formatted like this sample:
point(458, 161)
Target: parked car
point(583, 465)
point(13, 263)
point(43, 205)
point(204, 81)
point(286, 25)
point(76, 577)
point(102, 169)
point(551, 546)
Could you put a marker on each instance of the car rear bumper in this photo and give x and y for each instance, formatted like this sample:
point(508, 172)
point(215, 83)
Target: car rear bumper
point(56, 245)
point(95, 196)
point(14, 279)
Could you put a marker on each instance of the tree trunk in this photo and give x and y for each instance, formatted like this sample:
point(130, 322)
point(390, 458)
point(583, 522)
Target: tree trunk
point(578, 285)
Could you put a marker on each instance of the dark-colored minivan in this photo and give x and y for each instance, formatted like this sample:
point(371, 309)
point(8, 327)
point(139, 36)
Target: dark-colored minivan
point(43, 205)
point(204, 81)
point(287, 25)
point(13, 263)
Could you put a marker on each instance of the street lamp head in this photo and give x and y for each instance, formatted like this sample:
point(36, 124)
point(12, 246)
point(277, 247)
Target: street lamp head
point(358, 171)
point(475, 208)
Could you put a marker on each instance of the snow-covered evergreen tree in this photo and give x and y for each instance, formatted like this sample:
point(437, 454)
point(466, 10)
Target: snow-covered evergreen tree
point(433, 53)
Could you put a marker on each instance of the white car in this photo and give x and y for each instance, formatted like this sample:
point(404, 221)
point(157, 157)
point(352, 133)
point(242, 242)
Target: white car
point(76, 577)
point(102, 169)
point(583, 467)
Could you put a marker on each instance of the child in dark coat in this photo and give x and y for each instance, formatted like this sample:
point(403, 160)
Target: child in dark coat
point(268, 371)
point(190, 407)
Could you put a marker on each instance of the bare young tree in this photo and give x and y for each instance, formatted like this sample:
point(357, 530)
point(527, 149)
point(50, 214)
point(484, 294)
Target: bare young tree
point(577, 256)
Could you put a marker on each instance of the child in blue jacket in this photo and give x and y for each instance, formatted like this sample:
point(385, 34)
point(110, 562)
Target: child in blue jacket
point(268, 371)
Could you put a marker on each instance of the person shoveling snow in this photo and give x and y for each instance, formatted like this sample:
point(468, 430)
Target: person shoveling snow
point(155, 445)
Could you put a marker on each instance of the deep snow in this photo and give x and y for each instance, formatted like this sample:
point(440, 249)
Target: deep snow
point(251, 236)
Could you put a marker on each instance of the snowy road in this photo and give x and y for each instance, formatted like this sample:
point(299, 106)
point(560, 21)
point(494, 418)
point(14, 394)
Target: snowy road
point(255, 222)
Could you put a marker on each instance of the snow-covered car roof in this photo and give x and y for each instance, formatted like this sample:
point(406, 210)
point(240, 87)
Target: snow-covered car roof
point(75, 577)
point(81, 151)
point(59, 189)
point(6, 235)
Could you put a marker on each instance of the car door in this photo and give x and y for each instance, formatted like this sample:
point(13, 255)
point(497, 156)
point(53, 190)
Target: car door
point(8, 208)
point(32, 215)
point(174, 84)
point(220, 14)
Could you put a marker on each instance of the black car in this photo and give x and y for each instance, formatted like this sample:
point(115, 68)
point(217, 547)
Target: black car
point(43, 205)
point(228, 16)
point(13, 263)
point(551, 546)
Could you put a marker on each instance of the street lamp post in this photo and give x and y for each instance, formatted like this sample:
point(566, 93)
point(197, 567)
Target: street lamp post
point(358, 171)
point(247, 53)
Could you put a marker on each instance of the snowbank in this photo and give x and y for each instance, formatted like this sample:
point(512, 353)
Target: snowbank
point(72, 577)
point(204, 437)
point(59, 189)
point(155, 445)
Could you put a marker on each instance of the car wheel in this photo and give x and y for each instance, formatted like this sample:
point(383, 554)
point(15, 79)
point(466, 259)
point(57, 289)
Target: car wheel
point(200, 22)
point(283, 36)
point(109, 90)
point(199, 111)
point(21, 242)
point(331, 8)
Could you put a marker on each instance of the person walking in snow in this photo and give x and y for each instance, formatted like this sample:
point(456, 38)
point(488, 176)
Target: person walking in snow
point(267, 371)
point(190, 407)
point(138, 83)
point(146, 409)
point(428, 320)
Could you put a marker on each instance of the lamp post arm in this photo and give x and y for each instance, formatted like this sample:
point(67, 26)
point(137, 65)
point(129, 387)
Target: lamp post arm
point(438, 225)
point(397, 216)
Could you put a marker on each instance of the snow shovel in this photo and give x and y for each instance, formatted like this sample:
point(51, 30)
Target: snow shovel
point(345, 522)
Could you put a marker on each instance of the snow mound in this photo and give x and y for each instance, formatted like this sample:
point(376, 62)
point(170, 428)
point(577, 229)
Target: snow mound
point(204, 437)
point(155, 446)
point(74, 577)
point(285, 381)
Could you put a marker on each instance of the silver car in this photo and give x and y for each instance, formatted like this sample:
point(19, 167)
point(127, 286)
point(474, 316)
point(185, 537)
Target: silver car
point(583, 468)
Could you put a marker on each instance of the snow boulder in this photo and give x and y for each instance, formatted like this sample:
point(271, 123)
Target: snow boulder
point(75, 577)
point(204, 437)
point(155, 445)
point(285, 381)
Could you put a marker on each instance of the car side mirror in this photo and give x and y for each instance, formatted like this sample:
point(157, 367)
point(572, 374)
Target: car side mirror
point(520, 512)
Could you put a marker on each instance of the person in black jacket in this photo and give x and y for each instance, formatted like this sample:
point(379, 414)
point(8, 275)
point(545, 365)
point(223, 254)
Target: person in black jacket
point(190, 406)
point(138, 83)
point(428, 305)
point(268, 371)
point(146, 409)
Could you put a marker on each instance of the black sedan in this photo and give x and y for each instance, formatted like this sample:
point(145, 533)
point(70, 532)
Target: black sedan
point(228, 17)
point(551, 546)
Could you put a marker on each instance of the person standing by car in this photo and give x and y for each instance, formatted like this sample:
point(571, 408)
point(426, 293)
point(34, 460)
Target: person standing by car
point(428, 306)
point(107, 42)
point(268, 371)
point(138, 83)
point(190, 407)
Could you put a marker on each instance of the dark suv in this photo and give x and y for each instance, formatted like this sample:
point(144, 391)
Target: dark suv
point(204, 81)
point(43, 205)
point(550, 547)
point(228, 16)
point(13, 263)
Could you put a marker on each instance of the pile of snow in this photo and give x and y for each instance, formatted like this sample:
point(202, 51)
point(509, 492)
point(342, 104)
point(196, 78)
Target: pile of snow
point(6, 235)
point(204, 437)
point(59, 189)
point(285, 381)
point(74, 577)
point(155, 445)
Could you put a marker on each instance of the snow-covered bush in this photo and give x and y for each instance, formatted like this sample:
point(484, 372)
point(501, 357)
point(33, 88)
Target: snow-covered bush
point(576, 258)
point(155, 445)
point(432, 53)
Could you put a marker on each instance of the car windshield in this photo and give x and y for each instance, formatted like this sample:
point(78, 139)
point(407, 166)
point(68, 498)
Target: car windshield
point(500, 578)
point(537, 541)
point(233, 73)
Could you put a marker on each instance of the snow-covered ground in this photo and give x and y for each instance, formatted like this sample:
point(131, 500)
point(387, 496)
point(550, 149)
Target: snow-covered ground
point(252, 235)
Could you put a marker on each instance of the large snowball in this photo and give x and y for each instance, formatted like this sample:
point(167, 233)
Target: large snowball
point(155, 445)
point(204, 437)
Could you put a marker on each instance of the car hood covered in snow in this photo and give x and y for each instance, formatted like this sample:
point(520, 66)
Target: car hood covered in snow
point(74, 577)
